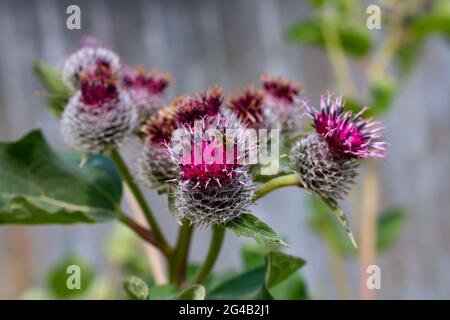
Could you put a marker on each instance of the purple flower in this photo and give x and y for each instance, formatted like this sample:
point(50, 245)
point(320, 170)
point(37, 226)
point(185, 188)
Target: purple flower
point(347, 135)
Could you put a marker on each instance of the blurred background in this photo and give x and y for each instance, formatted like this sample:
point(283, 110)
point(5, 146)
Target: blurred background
point(231, 43)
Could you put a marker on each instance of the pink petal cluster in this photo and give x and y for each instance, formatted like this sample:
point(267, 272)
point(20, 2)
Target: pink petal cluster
point(347, 135)
point(207, 163)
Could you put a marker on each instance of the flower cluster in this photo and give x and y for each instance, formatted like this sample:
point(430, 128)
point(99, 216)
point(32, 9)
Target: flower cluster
point(198, 143)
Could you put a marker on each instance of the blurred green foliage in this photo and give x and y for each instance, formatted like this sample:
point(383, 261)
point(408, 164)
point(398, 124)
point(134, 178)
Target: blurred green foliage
point(389, 226)
point(58, 93)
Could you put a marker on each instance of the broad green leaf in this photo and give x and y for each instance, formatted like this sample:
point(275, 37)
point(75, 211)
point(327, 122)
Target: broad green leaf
point(280, 266)
point(58, 93)
point(194, 292)
point(247, 225)
point(293, 288)
point(257, 283)
point(136, 288)
point(247, 285)
point(163, 292)
point(39, 186)
point(390, 225)
point(70, 278)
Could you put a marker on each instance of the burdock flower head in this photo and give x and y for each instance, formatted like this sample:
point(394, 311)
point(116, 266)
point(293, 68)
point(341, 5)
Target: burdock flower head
point(155, 165)
point(147, 90)
point(206, 104)
point(282, 103)
point(100, 114)
point(91, 57)
point(326, 161)
point(214, 185)
point(247, 107)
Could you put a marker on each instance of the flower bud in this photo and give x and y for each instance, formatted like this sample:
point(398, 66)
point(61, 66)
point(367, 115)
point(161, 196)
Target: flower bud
point(321, 173)
point(147, 90)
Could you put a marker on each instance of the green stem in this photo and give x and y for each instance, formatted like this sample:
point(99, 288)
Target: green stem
point(140, 199)
point(278, 182)
point(217, 236)
point(179, 259)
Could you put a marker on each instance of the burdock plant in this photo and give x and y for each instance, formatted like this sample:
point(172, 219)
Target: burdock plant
point(196, 150)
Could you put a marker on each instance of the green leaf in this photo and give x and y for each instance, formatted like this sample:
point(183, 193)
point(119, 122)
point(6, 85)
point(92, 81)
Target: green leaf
point(39, 186)
point(58, 93)
point(136, 288)
point(382, 92)
point(407, 55)
point(355, 41)
point(280, 266)
point(306, 32)
point(247, 225)
point(390, 225)
point(163, 292)
point(258, 282)
point(434, 22)
point(293, 288)
point(252, 256)
point(62, 279)
point(318, 3)
point(247, 285)
point(194, 292)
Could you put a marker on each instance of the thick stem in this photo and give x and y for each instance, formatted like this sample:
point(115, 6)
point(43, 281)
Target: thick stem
point(137, 193)
point(178, 263)
point(278, 182)
point(217, 236)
